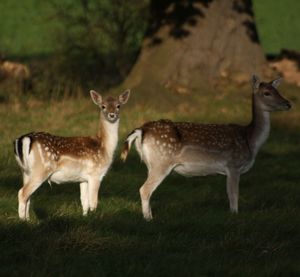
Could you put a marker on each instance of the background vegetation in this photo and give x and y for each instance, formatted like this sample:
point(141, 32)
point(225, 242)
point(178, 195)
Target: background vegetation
point(29, 27)
point(193, 233)
point(92, 43)
point(278, 25)
point(83, 42)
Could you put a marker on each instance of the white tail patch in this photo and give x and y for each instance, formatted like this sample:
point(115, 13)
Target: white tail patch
point(22, 148)
point(25, 151)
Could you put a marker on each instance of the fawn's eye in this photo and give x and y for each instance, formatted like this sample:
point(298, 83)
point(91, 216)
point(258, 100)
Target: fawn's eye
point(118, 106)
point(267, 93)
point(103, 107)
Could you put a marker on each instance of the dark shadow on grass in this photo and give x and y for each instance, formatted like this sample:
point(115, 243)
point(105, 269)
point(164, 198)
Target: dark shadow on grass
point(41, 213)
point(11, 183)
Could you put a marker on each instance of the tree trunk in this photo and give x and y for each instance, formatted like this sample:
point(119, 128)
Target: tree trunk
point(196, 44)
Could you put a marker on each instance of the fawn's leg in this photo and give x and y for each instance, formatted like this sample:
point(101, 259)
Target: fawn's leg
point(84, 197)
point(93, 189)
point(30, 185)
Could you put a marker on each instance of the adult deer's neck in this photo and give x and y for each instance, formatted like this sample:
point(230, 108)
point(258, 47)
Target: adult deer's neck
point(108, 135)
point(259, 128)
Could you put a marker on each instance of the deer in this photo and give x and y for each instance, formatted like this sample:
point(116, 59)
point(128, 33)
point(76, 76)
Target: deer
point(46, 157)
point(194, 149)
point(18, 72)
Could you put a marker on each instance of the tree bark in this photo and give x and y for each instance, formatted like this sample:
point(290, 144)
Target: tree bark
point(195, 44)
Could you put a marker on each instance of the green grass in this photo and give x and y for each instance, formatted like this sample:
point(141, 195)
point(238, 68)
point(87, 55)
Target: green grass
point(193, 232)
point(278, 24)
point(26, 27)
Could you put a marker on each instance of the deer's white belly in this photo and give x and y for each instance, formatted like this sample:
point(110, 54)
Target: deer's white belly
point(196, 161)
point(81, 171)
point(200, 169)
point(67, 175)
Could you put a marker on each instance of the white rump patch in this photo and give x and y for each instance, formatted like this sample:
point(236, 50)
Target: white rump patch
point(25, 149)
point(137, 136)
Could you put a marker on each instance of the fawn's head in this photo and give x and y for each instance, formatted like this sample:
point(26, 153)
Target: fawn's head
point(110, 107)
point(268, 96)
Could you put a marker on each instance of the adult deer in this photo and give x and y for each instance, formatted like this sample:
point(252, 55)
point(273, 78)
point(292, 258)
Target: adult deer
point(193, 149)
point(86, 160)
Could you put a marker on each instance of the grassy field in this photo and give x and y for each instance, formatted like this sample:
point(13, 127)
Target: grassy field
point(27, 30)
point(278, 24)
point(192, 234)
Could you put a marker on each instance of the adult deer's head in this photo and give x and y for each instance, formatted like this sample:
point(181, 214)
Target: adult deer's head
point(268, 97)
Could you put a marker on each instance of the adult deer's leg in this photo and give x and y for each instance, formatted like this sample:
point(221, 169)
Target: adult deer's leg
point(155, 177)
point(233, 178)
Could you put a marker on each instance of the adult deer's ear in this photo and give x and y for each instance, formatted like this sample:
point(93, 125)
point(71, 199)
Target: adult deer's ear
point(275, 83)
point(123, 98)
point(96, 97)
point(255, 83)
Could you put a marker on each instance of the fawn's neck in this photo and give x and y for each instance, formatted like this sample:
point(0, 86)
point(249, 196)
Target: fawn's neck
point(259, 128)
point(108, 136)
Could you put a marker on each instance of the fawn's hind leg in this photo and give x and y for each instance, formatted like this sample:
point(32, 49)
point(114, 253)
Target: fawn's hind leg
point(30, 185)
point(84, 197)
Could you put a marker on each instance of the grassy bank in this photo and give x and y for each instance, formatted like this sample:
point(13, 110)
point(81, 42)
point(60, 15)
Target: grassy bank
point(192, 234)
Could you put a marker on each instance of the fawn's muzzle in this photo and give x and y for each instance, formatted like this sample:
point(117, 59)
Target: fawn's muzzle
point(112, 116)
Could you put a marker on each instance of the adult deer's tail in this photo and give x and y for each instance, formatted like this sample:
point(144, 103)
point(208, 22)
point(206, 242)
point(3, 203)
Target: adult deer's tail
point(135, 134)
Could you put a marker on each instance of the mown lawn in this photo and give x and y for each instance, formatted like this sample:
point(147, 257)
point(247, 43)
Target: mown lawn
point(192, 234)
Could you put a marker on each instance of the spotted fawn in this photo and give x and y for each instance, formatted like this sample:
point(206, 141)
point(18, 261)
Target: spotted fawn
point(45, 157)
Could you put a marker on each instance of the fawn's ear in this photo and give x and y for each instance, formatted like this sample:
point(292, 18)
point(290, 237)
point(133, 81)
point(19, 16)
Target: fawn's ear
point(275, 83)
point(123, 98)
point(255, 82)
point(96, 97)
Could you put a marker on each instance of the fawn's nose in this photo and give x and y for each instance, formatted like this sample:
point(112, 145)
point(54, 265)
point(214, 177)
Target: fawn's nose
point(112, 116)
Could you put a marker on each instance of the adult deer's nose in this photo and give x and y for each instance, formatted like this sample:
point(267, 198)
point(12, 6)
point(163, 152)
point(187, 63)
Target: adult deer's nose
point(288, 105)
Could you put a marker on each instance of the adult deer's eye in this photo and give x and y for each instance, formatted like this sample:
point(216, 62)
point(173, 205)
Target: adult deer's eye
point(118, 106)
point(103, 107)
point(267, 93)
